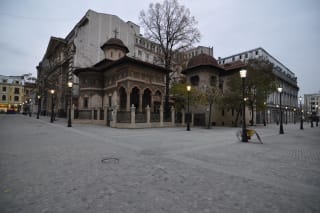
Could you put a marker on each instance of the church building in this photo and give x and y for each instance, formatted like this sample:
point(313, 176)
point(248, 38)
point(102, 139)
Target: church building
point(119, 81)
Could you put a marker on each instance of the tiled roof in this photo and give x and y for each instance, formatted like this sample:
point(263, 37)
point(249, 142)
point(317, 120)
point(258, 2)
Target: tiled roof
point(115, 42)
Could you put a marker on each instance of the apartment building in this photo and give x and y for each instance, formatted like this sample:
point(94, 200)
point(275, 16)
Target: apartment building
point(15, 91)
point(285, 78)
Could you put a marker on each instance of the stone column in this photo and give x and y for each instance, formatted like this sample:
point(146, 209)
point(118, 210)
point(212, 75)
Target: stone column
point(113, 122)
point(92, 114)
point(192, 119)
point(148, 115)
point(140, 102)
point(173, 116)
point(128, 102)
point(98, 114)
point(152, 104)
point(105, 114)
point(133, 116)
point(183, 117)
point(72, 112)
point(161, 115)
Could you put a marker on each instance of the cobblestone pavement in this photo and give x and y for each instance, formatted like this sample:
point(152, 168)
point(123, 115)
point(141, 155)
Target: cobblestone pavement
point(48, 167)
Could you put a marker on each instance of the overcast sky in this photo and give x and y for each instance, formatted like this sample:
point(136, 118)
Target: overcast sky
point(288, 29)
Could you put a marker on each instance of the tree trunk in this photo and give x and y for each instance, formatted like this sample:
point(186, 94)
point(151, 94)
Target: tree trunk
point(252, 114)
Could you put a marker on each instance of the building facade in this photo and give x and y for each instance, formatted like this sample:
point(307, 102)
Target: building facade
point(81, 48)
point(312, 105)
point(119, 82)
point(284, 78)
point(205, 75)
point(16, 92)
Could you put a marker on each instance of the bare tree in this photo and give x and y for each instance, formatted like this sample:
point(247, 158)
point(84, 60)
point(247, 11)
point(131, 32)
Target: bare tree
point(171, 26)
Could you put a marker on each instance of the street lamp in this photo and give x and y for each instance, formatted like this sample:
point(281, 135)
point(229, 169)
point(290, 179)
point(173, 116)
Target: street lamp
point(286, 114)
point(317, 118)
point(52, 106)
point(281, 125)
point(70, 88)
point(264, 114)
point(301, 114)
point(188, 122)
point(243, 75)
point(30, 109)
point(39, 103)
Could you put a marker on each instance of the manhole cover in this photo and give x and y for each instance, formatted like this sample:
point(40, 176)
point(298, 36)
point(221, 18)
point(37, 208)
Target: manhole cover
point(110, 160)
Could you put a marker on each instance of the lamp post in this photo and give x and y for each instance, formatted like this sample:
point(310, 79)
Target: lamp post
point(69, 118)
point(188, 122)
point(286, 114)
point(317, 118)
point(281, 125)
point(243, 75)
point(264, 114)
point(52, 106)
point(39, 106)
point(30, 107)
point(301, 113)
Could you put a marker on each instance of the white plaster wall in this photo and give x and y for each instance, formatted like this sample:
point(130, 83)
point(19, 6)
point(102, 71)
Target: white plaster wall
point(91, 36)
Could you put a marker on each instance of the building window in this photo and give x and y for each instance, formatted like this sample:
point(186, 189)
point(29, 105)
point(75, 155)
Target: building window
point(139, 53)
point(4, 81)
point(194, 80)
point(213, 81)
point(16, 91)
point(257, 52)
point(85, 103)
point(246, 55)
point(240, 56)
point(222, 112)
point(4, 97)
point(4, 89)
point(16, 98)
point(17, 82)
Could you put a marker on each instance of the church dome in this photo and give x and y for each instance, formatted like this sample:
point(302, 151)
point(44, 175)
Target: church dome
point(115, 43)
point(202, 59)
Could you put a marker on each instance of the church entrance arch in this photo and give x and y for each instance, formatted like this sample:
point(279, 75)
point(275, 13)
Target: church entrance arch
point(146, 99)
point(123, 98)
point(134, 97)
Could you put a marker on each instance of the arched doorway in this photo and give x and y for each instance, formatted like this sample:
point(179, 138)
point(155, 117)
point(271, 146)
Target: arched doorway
point(134, 97)
point(123, 98)
point(146, 99)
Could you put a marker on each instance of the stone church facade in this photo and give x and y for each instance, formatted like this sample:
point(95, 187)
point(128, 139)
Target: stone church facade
point(120, 82)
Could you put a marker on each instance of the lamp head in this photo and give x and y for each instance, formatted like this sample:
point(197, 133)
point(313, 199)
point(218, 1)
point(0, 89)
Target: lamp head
point(69, 84)
point(52, 91)
point(188, 88)
point(243, 73)
point(280, 89)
